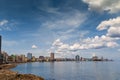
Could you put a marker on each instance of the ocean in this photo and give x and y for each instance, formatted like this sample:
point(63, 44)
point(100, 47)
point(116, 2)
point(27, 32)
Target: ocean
point(72, 70)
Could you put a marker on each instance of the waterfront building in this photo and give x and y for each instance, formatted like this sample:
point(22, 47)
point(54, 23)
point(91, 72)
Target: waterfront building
point(33, 59)
point(41, 58)
point(47, 59)
point(52, 56)
point(94, 57)
point(36, 59)
point(17, 58)
point(0, 43)
point(102, 58)
point(77, 58)
point(60, 59)
point(5, 57)
point(11, 59)
point(22, 58)
point(1, 55)
point(81, 59)
point(26, 59)
point(29, 56)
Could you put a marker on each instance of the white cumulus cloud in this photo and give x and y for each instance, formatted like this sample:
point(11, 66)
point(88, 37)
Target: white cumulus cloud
point(112, 6)
point(34, 47)
point(108, 40)
point(57, 42)
point(99, 42)
point(96, 42)
point(112, 26)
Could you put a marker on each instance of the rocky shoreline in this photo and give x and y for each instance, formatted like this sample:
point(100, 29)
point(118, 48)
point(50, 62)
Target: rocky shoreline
point(6, 74)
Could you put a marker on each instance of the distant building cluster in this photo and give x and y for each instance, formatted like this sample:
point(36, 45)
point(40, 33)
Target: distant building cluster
point(22, 58)
point(77, 58)
point(5, 58)
point(47, 59)
point(13, 58)
point(94, 58)
point(51, 58)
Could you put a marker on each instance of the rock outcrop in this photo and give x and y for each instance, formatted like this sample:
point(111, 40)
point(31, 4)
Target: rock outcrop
point(6, 74)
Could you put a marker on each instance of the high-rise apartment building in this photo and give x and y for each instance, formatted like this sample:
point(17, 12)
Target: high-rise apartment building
point(77, 58)
point(1, 55)
point(52, 56)
point(29, 56)
point(0, 43)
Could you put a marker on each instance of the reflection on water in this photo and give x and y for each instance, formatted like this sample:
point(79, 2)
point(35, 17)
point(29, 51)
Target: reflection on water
point(72, 70)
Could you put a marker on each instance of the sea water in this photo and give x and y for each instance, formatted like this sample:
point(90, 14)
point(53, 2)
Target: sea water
point(72, 70)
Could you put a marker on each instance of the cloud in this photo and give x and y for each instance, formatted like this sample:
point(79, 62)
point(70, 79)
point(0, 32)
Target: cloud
point(7, 25)
point(107, 40)
point(75, 47)
point(63, 20)
point(89, 43)
point(57, 43)
point(99, 42)
point(111, 6)
point(65, 24)
point(112, 44)
point(34, 47)
point(49, 9)
point(112, 26)
point(66, 21)
point(3, 22)
point(3, 25)
point(71, 34)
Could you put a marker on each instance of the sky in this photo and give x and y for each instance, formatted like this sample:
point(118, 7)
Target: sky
point(65, 27)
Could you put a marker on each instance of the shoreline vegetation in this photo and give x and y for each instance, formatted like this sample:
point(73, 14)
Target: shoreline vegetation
point(7, 74)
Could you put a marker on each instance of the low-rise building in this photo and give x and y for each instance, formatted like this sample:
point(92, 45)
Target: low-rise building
point(41, 58)
point(47, 59)
point(11, 59)
point(22, 58)
point(33, 59)
point(5, 57)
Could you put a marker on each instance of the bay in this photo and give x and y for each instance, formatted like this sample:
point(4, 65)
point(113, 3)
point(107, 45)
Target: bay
point(72, 70)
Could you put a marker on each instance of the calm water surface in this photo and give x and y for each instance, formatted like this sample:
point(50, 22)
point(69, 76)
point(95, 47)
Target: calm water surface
point(72, 70)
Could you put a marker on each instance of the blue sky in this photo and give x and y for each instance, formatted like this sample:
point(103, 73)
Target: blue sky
point(66, 27)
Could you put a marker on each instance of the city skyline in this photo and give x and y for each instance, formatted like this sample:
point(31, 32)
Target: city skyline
point(64, 27)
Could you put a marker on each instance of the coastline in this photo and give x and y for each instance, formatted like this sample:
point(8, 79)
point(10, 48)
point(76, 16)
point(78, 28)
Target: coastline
point(7, 74)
